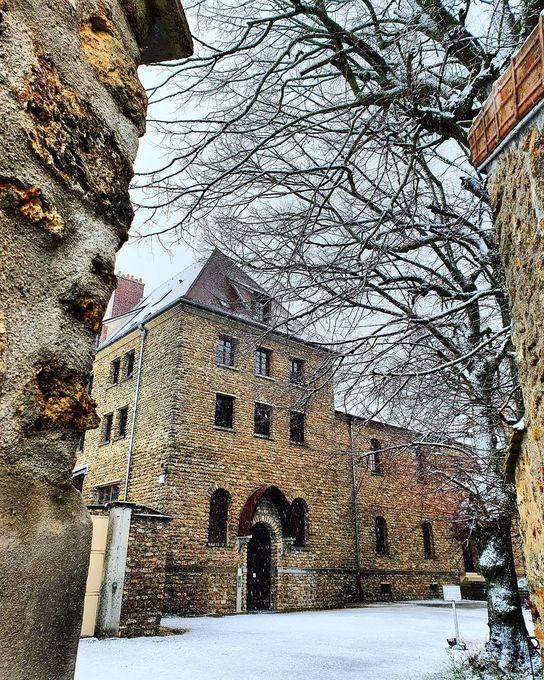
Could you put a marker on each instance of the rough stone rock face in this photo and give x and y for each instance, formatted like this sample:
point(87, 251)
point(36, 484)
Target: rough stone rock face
point(71, 111)
point(516, 184)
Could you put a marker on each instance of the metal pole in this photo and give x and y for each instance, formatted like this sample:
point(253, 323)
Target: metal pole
point(354, 506)
point(143, 333)
point(456, 622)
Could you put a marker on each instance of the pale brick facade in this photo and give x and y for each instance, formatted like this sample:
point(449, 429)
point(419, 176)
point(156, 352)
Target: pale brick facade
point(180, 457)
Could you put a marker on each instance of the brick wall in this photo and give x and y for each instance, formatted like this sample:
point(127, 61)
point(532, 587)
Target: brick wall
point(128, 293)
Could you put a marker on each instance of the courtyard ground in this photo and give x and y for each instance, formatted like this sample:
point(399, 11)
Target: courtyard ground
point(402, 641)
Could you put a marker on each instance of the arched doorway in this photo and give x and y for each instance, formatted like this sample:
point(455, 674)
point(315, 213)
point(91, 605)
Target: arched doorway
point(259, 568)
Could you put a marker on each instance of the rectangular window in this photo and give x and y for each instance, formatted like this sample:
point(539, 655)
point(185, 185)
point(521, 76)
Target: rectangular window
point(421, 467)
point(262, 419)
point(115, 370)
point(261, 308)
point(295, 371)
point(225, 351)
point(224, 410)
point(385, 589)
point(107, 425)
point(262, 361)
point(296, 427)
point(81, 442)
point(108, 493)
point(77, 481)
point(122, 417)
point(130, 364)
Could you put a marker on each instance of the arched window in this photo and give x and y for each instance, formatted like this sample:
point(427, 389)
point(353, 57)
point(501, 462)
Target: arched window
point(374, 459)
point(219, 513)
point(428, 547)
point(382, 543)
point(299, 521)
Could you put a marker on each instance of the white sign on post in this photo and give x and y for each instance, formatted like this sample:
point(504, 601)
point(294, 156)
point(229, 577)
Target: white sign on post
point(452, 593)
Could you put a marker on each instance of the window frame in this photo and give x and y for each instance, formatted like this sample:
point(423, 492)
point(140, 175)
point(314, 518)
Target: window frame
point(230, 399)
point(130, 362)
point(115, 371)
point(123, 410)
point(299, 509)
point(222, 353)
point(382, 536)
point(218, 518)
point(421, 466)
point(107, 428)
point(428, 540)
point(375, 461)
point(296, 378)
point(102, 488)
point(261, 352)
point(269, 407)
point(292, 427)
point(261, 308)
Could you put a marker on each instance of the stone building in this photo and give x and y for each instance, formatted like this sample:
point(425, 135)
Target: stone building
point(217, 413)
point(507, 142)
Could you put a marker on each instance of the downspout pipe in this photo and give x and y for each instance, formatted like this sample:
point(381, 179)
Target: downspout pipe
point(143, 333)
point(354, 508)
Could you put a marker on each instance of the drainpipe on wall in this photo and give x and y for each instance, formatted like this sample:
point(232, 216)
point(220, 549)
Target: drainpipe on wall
point(354, 506)
point(143, 333)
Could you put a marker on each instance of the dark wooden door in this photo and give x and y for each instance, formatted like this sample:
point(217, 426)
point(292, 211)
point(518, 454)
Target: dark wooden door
point(259, 569)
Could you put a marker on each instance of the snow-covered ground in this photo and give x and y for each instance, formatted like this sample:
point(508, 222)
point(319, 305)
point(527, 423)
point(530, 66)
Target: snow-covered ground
point(379, 642)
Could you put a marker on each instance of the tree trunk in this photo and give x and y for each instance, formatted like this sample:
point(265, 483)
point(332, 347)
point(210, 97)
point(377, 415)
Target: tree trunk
point(71, 111)
point(507, 646)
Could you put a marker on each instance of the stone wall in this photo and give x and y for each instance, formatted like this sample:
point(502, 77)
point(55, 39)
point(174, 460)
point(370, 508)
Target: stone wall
point(176, 436)
point(143, 589)
point(516, 185)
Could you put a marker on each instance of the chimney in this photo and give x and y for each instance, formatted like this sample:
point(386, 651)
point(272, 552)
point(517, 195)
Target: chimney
point(127, 295)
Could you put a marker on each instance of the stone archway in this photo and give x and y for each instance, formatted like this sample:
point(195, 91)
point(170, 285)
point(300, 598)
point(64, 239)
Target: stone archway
point(275, 497)
point(265, 530)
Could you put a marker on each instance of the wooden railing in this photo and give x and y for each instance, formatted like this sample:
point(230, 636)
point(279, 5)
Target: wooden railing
point(514, 94)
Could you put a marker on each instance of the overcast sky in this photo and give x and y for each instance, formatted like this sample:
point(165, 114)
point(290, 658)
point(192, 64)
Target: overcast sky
point(145, 258)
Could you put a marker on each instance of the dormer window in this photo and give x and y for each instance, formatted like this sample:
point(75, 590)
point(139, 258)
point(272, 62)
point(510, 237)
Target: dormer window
point(261, 308)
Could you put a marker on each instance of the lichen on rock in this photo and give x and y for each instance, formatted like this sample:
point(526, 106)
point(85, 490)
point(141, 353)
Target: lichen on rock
point(69, 136)
point(30, 202)
point(103, 47)
point(62, 399)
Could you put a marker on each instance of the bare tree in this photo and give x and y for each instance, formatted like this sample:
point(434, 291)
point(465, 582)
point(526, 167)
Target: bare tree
point(328, 159)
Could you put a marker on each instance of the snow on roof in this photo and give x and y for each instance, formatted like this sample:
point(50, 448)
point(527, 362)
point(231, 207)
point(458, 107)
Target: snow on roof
point(159, 300)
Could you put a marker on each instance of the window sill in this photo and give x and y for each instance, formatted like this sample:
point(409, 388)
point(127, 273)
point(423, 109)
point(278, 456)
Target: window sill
point(303, 444)
point(263, 436)
point(386, 555)
point(230, 368)
point(209, 544)
point(224, 429)
point(265, 377)
point(105, 443)
point(377, 474)
point(110, 385)
point(300, 548)
point(122, 436)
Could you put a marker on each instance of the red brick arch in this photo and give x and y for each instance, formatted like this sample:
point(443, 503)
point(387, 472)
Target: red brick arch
point(274, 495)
